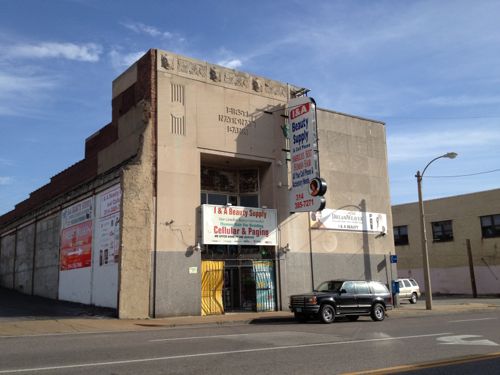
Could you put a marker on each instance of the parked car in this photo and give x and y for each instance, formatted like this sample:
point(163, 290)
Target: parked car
point(408, 289)
point(349, 298)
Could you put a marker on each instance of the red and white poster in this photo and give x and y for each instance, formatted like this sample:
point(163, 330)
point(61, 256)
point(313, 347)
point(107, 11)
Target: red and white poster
point(76, 235)
point(76, 246)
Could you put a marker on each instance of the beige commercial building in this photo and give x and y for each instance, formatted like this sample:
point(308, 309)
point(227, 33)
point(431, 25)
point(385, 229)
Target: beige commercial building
point(149, 222)
point(463, 236)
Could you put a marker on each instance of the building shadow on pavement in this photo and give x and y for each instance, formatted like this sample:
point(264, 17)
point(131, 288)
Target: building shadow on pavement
point(17, 305)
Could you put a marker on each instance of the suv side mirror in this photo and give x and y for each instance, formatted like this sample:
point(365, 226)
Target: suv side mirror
point(343, 291)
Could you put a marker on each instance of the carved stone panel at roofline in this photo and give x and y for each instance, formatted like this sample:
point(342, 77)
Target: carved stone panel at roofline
point(257, 85)
point(167, 62)
point(273, 88)
point(188, 67)
point(215, 74)
point(225, 76)
point(236, 79)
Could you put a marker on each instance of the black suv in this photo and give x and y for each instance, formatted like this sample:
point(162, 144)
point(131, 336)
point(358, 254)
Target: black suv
point(350, 298)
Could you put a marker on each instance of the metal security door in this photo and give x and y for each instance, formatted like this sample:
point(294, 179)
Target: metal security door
point(212, 280)
point(264, 284)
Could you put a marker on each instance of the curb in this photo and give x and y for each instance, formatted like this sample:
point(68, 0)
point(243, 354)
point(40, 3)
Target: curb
point(50, 326)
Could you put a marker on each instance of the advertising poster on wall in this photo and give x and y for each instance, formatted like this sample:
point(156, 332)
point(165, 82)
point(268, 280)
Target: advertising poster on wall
point(343, 220)
point(76, 236)
point(108, 232)
point(77, 213)
point(108, 227)
point(234, 225)
point(76, 246)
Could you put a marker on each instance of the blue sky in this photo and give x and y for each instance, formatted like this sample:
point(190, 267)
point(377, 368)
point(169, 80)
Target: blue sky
point(429, 69)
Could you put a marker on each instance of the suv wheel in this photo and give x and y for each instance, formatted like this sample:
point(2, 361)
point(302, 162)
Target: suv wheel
point(378, 312)
point(327, 314)
point(413, 298)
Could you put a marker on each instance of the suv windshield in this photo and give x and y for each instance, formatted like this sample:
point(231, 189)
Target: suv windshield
point(330, 286)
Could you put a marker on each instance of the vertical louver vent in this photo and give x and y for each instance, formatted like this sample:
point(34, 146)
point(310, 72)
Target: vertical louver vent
point(178, 125)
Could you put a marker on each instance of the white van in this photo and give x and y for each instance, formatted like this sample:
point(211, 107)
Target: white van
point(409, 289)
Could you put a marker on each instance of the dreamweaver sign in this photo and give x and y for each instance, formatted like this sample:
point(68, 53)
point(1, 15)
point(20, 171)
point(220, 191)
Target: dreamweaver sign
point(343, 220)
point(235, 225)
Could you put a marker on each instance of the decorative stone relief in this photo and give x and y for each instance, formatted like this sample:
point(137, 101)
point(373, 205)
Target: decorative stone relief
point(280, 90)
point(273, 88)
point(215, 74)
point(257, 85)
point(191, 68)
point(236, 79)
point(167, 62)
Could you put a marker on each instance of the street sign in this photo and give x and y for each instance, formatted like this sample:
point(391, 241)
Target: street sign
point(394, 258)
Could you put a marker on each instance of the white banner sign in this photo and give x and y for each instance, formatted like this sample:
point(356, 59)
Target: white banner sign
point(234, 225)
point(344, 220)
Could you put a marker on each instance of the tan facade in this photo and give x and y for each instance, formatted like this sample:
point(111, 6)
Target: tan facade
point(448, 257)
point(177, 116)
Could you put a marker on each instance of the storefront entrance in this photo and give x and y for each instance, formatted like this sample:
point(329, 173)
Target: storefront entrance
point(247, 285)
point(243, 267)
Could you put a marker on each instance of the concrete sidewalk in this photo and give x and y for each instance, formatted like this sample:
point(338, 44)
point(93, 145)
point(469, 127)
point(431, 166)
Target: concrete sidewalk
point(73, 318)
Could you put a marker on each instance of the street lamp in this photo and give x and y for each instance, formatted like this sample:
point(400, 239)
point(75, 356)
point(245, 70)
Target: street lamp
point(427, 276)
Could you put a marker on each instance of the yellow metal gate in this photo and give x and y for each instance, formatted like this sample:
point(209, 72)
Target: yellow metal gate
point(212, 280)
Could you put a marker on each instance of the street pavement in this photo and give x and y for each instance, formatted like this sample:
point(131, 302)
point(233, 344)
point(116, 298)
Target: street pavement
point(22, 315)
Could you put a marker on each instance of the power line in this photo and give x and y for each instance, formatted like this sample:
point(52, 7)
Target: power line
point(465, 175)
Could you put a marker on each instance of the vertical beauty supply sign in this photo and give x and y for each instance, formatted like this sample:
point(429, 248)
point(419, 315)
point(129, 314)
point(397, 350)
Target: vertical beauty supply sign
point(307, 187)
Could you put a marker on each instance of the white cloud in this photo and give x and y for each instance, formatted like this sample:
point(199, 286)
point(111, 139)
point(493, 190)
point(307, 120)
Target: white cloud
point(5, 180)
point(20, 92)
point(417, 145)
point(231, 63)
point(13, 83)
point(140, 28)
point(120, 60)
point(88, 52)
point(460, 101)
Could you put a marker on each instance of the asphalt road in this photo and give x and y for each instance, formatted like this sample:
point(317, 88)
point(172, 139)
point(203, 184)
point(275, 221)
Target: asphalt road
point(270, 348)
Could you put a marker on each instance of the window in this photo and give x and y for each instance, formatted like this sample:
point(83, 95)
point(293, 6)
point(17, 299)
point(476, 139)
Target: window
point(379, 288)
point(349, 287)
point(362, 287)
point(401, 235)
point(442, 231)
point(490, 226)
point(249, 200)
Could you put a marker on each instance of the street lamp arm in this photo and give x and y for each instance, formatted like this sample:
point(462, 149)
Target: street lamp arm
point(433, 160)
point(449, 155)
